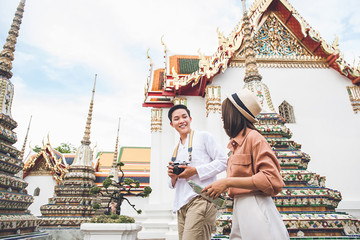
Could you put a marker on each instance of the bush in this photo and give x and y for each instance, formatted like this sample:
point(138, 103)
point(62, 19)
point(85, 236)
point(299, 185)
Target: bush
point(113, 218)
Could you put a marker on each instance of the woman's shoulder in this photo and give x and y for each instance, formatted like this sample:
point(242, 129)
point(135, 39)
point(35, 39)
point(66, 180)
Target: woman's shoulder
point(255, 135)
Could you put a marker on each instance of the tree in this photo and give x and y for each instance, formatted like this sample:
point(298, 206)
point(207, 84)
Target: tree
point(124, 187)
point(65, 148)
point(36, 148)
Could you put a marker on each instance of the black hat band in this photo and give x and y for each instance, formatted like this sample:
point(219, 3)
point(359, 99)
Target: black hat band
point(241, 104)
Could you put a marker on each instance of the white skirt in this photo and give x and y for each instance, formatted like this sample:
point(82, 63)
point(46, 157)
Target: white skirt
point(255, 217)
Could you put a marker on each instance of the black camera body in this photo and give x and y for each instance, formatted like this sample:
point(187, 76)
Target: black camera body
point(176, 169)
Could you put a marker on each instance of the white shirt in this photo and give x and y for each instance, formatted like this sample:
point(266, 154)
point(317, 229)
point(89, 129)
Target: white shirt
point(207, 157)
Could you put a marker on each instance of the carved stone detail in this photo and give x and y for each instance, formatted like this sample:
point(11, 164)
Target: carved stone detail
point(156, 119)
point(354, 95)
point(213, 99)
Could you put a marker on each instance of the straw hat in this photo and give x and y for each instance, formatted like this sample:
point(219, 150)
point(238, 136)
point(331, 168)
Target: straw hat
point(247, 103)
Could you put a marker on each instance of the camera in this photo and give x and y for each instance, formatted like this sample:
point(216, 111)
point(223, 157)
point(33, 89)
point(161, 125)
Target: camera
point(176, 169)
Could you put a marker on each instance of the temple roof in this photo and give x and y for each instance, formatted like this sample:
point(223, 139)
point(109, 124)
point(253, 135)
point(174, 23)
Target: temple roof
point(136, 159)
point(47, 161)
point(189, 75)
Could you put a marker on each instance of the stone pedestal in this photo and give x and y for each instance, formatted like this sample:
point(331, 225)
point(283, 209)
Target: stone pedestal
point(160, 223)
point(110, 231)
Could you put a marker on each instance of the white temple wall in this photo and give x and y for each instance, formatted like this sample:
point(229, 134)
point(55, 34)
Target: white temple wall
point(326, 126)
point(46, 185)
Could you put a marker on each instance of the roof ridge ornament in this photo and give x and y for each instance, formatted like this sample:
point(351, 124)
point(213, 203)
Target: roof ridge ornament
point(165, 61)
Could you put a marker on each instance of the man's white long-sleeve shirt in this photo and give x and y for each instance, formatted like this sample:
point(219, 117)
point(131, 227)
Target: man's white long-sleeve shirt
point(207, 157)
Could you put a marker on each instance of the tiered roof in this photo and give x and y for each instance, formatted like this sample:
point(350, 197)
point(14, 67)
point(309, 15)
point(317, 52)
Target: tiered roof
point(301, 38)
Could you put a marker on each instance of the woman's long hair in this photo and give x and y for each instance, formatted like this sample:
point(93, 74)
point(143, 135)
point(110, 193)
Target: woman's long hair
point(233, 120)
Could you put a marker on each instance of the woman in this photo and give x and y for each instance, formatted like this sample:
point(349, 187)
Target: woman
point(253, 173)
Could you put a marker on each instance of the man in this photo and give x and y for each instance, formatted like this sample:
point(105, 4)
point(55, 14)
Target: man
point(204, 159)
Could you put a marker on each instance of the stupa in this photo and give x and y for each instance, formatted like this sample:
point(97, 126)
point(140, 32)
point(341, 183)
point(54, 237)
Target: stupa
point(15, 218)
point(72, 201)
point(306, 205)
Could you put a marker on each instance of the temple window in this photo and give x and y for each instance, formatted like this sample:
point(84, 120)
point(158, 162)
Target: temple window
point(37, 191)
point(287, 112)
point(354, 95)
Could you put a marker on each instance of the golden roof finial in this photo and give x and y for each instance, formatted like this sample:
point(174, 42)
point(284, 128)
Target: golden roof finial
point(86, 138)
point(148, 81)
point(165, 61)
point(7, 54)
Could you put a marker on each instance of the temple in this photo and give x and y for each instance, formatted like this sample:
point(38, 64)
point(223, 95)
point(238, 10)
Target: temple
point(297, 64)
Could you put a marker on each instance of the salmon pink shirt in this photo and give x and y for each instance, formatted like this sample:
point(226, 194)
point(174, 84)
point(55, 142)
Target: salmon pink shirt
point(253, 157)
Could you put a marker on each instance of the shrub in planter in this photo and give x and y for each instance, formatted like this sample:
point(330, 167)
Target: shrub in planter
point(117, 192)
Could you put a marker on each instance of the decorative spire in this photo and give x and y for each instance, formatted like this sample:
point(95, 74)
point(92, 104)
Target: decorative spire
point(116, 147)
point(165, 61)
point(25, 140)
point(7, 54)
point(86, 138)
point(251, 71)
point(114, 171)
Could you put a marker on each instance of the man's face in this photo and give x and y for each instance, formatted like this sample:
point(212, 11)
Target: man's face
point(181, 121)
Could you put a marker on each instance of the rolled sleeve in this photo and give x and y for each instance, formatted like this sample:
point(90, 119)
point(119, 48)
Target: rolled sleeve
point(267, 178)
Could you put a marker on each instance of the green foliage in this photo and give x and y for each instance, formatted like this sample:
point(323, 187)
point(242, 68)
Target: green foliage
point(120, 164)
point(139, 211)
point(107, 182)
point(147, 191)
point(65, 148)
point(137, 184)
point(128, 181)
point(36, 148)
point(112, 219)
point(95, 190)
point(96, 206)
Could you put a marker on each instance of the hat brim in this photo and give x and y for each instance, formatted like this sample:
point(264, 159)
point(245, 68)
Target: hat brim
point(241, 110)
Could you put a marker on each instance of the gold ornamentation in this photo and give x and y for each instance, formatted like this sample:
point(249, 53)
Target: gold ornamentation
point(354, 95)
point(213, 99)
point(156, 119)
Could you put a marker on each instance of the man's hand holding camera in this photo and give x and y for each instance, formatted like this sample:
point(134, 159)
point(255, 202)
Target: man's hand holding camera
point(176, 170)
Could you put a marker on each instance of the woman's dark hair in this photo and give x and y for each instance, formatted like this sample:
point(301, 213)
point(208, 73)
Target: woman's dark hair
point(233, 120)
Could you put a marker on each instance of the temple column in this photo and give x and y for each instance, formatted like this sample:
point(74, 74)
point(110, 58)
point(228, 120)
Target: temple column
point(159, 221)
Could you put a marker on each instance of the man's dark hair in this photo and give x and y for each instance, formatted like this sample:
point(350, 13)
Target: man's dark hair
point(176, 107)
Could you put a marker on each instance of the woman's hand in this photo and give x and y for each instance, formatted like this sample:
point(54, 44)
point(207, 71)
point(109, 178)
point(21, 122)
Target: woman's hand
point(216, 188)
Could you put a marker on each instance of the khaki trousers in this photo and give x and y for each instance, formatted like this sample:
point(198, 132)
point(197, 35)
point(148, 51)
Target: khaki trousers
point(196, 219)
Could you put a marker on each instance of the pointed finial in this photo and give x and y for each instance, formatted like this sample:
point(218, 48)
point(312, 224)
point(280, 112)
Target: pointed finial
point(116, 146)
point(7, 54)
point(25, 140)
point(86, 138)
point(165, 61)
point(243, 6)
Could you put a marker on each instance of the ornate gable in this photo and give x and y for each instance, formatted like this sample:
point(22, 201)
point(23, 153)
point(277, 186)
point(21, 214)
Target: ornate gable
point(273, 39)
point(47, 162)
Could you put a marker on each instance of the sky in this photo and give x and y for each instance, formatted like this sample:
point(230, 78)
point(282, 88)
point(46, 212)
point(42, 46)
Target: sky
point(63, 44)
